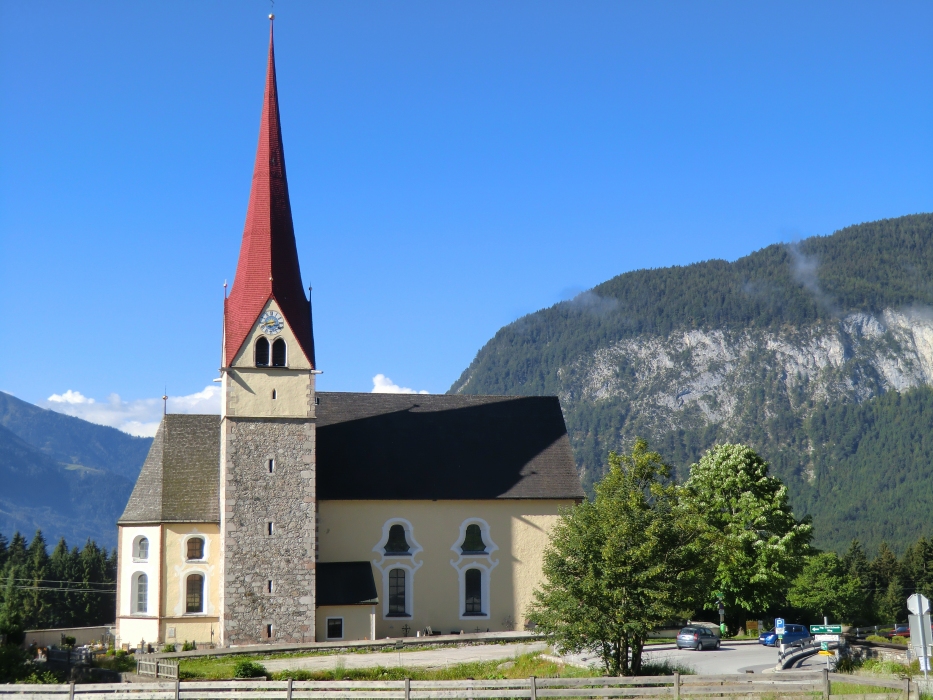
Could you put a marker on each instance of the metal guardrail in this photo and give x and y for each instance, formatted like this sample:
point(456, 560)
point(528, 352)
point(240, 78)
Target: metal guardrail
point(804, 684)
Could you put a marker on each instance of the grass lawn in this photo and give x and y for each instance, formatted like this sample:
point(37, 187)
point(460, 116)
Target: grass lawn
point(523, 666)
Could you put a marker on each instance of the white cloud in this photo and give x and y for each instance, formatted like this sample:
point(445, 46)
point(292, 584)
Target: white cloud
point(138, 417)
point(383, 385)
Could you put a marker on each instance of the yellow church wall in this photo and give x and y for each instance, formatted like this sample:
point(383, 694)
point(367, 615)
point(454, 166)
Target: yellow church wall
point(357, 621)
point(515, 533)
point(176, 625)
point(248, 389)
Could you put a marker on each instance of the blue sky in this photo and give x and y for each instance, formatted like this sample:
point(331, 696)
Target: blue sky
point(452, 166)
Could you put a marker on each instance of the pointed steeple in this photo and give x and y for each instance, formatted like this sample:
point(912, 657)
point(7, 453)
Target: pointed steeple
point(268, 264)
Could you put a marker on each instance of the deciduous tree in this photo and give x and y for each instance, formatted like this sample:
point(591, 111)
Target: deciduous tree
point(622, 564)
point(761, 546)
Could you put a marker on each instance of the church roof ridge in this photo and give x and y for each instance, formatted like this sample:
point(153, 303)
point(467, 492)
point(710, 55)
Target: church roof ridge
point(268, 263)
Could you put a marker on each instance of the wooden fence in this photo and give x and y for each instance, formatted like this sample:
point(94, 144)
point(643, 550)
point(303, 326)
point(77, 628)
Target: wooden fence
point(157, 668)
point(772, 686)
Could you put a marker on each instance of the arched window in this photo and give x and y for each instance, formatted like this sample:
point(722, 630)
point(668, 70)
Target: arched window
point(397, 544)
point(397, 601)
point(141, 591)
point(262, 353)
point(473, 580)
point(194, 594)
point(141, 549)
point(473, 541)
point(195, 548)
point(279, 354)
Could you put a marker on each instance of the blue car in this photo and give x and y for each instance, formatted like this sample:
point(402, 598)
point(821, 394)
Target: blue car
point(793, 635)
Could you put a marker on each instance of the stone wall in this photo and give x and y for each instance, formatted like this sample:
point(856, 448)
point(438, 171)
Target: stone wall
point(253, 498)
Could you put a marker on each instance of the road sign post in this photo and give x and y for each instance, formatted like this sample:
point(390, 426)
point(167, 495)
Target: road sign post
point(921, 636)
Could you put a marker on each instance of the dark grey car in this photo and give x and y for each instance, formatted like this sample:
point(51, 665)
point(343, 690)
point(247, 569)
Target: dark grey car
point(697, 638)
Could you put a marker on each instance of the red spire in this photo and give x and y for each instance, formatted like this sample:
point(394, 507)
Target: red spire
point(268, 264)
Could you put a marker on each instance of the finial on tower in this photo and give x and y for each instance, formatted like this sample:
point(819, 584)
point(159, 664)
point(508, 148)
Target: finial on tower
point(271, 16)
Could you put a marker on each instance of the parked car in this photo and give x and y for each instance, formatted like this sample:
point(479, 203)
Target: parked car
point(697, 638)
point(898, 631)
point(793, 635)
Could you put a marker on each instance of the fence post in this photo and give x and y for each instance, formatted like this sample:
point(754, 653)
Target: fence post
point(71, 691)
point(288, 693)
point(534, 687)
point(825, 684)
point(408, 689)
point(177, 688)
point(676, 685)
point(907, 688)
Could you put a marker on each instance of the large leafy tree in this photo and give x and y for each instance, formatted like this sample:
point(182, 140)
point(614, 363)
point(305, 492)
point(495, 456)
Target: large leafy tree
point(825, 587)
point(622, 564)
point(761, 547)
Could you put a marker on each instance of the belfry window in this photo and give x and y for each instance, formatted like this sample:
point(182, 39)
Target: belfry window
point(262, 353)
point(141, 549)
point(195, 548)
point(397, 606)
point(194, 594)
point(473, 580)
point(279, 354)
point(397, 544)
point(473, 541)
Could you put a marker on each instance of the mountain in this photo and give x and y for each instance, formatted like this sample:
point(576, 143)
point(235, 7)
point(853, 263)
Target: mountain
point(818, 354)
point(63, 475)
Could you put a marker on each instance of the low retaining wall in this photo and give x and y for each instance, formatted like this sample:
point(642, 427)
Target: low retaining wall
point(82, 635)
point(859, 650)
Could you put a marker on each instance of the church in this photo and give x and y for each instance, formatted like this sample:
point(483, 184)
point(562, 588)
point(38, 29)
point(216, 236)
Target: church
point(300, 516)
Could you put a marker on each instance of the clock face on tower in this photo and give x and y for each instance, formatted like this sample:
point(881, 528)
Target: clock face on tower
point(271, 322)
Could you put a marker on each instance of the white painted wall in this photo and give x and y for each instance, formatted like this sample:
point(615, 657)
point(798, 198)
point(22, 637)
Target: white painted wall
point(131, 626)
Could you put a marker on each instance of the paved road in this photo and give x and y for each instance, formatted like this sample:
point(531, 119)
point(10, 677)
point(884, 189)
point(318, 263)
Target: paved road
point(432, 658)
point(730, 658)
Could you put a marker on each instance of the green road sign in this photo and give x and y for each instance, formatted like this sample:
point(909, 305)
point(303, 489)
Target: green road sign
point(825, 629)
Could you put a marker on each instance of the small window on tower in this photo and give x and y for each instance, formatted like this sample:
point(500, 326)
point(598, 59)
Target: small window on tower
point(270, 463)
point(262, 353)
point(195, 548)
point(273, 394)
point(279, 353)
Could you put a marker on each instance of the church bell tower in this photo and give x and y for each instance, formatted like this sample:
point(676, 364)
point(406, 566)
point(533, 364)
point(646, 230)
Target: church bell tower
point(267, 465)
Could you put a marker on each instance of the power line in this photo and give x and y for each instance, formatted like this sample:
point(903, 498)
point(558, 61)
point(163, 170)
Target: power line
point(64, 590)
point(71, 583)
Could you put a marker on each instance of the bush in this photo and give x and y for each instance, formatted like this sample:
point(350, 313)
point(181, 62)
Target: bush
point(120, 653)
point(168, 649)
point(244, 668)
point(68, 642)
point(876, 638)
point(898, 639)
point(188, 646)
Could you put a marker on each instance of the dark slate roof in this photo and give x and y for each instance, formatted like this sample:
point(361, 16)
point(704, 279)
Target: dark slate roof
point(180, 478)
point(436, 446)
point(345, 583)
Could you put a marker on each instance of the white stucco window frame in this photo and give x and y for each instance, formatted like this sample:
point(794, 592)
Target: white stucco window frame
point(386, 562)
point(205, 603)
point(327, 637)
point(482, 561)
point(136, 540)
point(134, 594)
point(205, 551)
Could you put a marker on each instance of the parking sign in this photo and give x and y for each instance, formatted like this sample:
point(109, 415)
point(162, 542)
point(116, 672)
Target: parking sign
point(779, 626)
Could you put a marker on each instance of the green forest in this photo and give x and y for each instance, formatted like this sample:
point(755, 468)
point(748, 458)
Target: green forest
point(69, 588)
point(859, 469)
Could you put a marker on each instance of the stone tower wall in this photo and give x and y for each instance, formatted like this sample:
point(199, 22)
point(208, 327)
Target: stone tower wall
point(251, 499)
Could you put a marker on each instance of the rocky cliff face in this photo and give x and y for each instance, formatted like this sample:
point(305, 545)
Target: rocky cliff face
point(704, 375)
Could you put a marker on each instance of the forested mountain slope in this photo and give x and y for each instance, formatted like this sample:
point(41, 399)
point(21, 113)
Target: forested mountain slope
point(794, 349)
point(63, 475)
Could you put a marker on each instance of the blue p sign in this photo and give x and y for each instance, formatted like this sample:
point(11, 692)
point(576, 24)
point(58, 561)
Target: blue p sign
point(779, 626)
